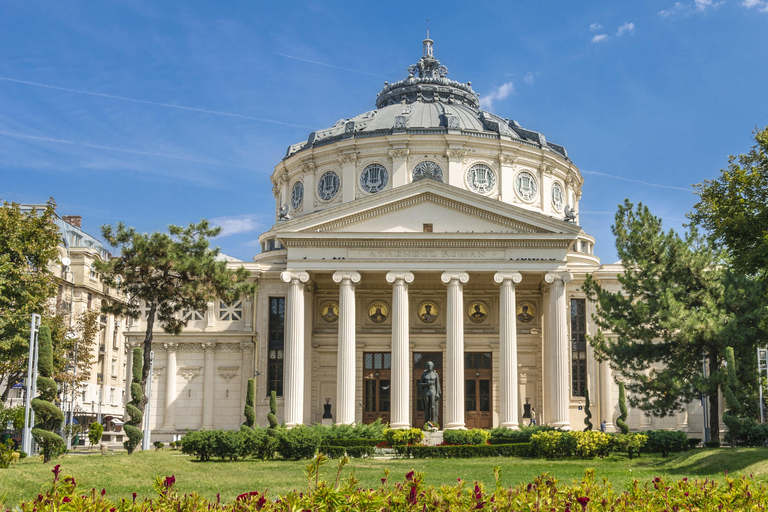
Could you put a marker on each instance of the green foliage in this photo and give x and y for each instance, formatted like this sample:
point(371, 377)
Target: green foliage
point(584, 444)
point(48, 417)
point(14, 415)
point(133, 426)
point(464, 451)
point(731, 416)
point(51, 445)
point(95, 431)
point(298, 443)
point(665, 442)
point(134, 435)
point(398, 436)
point(503, 435)
point(158, 445)
point(621, 421)
point(168, 274)
point(271, 417)
point(631, 444)
point(28, 243)
point(336, 452)
point(587, 412)
point(138, 365)
point(250, 401)
point(373, 430)
point(473, 436)
point(47, 389)
point(8, 454)
point(712, 444)
point(45, 352)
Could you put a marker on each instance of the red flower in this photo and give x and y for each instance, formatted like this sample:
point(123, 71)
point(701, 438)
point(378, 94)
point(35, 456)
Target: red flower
point(56, 470)
point(583, 502)
point(103, 491)
point(66, 499)
point(409, 476)
point(134, 497)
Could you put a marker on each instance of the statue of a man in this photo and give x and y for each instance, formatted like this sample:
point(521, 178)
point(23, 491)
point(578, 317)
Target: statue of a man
point(430, 392)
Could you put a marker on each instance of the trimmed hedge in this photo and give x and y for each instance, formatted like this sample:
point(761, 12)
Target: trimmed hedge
point(335, 452)
point(665, 442)
point(473, 436)
point(464, 451)
point(352, 442)
point(503, 435)
point(397, 436)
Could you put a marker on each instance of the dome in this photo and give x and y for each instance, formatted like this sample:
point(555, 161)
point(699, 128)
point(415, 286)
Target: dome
point(423, 103)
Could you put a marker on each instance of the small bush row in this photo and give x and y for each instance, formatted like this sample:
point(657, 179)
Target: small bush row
point(584, 445)
point(473, 436)
point(463, 451)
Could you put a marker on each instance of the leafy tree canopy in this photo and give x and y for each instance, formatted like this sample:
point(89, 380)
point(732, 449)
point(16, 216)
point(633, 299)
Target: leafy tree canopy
point(164, 275)
point(28, 243)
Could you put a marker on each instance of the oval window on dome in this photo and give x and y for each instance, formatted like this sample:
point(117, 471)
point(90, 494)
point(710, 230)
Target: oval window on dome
point(558, 198)
point(481, 179)
point(297, 195)
point(427, 170)
point(374, 178)
point(526, 186)
point(328, 186)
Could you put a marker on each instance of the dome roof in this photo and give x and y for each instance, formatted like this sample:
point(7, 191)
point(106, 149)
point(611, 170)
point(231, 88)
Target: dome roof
point(427, 102)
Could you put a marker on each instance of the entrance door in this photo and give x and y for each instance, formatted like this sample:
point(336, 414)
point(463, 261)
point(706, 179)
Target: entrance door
point(376, 386)
point(419, 365)
point(477, 390)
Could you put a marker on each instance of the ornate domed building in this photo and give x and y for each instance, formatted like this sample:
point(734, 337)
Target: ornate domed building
point(426, 230)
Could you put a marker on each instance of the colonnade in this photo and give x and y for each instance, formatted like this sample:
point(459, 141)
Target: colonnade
point(556, 349)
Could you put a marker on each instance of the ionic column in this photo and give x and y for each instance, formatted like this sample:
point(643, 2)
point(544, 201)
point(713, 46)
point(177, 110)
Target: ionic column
point(169, 417)
point(209, 375)
point(453, 380)
point(294, 349)
point(508, 348)
point(558, 350)
point(400, 335)
point(606, 395)
point(345, 382)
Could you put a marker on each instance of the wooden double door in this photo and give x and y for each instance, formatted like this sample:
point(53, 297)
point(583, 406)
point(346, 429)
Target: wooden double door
point(377, 386)
point(478, 374)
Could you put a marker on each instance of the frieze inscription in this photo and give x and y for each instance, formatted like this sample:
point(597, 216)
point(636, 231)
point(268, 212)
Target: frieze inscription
point(428, 254)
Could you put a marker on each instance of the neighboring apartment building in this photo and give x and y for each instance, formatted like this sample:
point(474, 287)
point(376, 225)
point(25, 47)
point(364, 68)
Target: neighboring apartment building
point(101, 396)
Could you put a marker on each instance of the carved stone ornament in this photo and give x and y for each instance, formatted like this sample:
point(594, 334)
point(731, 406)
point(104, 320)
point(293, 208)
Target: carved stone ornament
point(157, 372)
point(228, 372)
point(208, 345)
point(505, 159)
point(170, 346)
point(400, 122)
point(348, 158)
point(189, 372)
point(447, 277)
point(456, 154)
point(398, 152)
point(427, 170)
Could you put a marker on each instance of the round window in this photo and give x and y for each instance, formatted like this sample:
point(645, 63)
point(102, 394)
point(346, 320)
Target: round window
point(374, 178)
point(427, 170)
point(328, 186)
point(481, 179)
point(297, 195)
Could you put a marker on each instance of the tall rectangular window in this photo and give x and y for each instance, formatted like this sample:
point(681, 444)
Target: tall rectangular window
point(578, 346)
point(276, 345)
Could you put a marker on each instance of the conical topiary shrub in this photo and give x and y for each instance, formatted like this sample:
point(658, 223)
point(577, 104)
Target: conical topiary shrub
point(587, 412)
point(621, 421)
point(48, 417)
point(250, 400)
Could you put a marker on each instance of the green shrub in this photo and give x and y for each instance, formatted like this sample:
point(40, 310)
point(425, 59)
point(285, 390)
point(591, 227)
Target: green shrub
point(373, 430)
point(95, 431)
point(199, 444)
point(271, 417)
point(712, 444)
point(473, 436)
point(222, 444)
point(621, 421)
point(503, 435)
point(587, 412)
point(665, 442)
point(463, 451)
point(8, 455)
point(132, 427)
point(693, 442)
point(585, 445)
point(335, 452)
point(158, 445)
point(352, 442)
point(298, 443)
point(396, 436)
point(172, 445)
point(250, 413)
point(631, 444)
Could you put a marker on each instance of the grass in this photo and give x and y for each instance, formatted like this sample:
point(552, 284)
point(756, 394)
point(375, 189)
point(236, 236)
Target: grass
point(123, 474)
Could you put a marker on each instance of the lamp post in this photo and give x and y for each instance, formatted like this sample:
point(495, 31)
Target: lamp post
point(147, 433)
point(29, 414)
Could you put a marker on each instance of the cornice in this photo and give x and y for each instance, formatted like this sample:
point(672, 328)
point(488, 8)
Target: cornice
point(427, 243)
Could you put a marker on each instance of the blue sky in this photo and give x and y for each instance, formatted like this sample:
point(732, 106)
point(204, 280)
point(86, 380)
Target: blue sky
point(157, 113)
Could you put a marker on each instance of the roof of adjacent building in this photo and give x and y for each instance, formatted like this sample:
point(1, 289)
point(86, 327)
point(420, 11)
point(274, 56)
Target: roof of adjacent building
point(427, 102)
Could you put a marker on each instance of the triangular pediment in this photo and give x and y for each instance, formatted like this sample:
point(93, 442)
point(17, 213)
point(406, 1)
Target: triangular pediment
point(408, 208)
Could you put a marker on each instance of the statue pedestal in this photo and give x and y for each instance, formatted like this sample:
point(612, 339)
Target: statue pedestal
point(432, 438)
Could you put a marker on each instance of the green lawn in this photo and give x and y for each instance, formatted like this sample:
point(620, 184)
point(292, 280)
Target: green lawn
point(123, 474)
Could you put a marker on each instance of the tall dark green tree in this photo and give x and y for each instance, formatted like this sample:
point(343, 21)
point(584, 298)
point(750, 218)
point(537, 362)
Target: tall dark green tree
point(48, 417)
point(669, 315)
point(165, 275)
point(28, 243)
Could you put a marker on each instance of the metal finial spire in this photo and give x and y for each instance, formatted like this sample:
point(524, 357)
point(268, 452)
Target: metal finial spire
point(428, 43)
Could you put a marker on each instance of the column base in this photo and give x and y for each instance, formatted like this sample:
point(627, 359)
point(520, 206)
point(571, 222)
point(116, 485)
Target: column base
point(291, 425)
point(400, 425)
point(455, 426)
point(562, 425)
point(609, 427)
point(510, 426)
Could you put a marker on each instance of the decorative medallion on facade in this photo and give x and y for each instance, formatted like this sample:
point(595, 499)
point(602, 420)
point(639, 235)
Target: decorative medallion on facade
point(297, 195)
point(481, 179)
point(427, 170)
point(378, 312)
point(478, 312)
point(374, 178)
point(428, 312)
point(558, 198)
point(329, 312)
point(231, 311)
point(526, 186)
point(328, 186)
point(526, 312)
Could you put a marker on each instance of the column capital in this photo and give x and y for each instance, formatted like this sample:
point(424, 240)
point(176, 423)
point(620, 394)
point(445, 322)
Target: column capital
point(341, 276)
point(462, 277)
point(500, 277)
point(565, 277)
point(404, 276)
point(398, 153)
point(208, 345)
point(289, 276)
point(170, 346)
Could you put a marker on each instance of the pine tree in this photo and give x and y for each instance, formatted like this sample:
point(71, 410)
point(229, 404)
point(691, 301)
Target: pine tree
point(732, 415)
point(133, 426)
point(621, 421)
point(587, 412)
point(48, 417)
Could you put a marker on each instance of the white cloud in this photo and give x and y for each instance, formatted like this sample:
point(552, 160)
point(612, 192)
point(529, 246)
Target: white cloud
point(595, 26)
point(626, 28)
point(685, 10)
point(528, 79)
point(600, 38)
point(762, 5)
point(499, 94)
point(237, 224)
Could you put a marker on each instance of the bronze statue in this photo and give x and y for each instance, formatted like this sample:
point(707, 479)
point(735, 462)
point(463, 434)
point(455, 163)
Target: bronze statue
point(430, 392)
